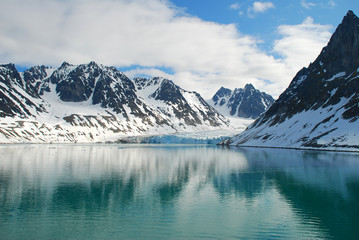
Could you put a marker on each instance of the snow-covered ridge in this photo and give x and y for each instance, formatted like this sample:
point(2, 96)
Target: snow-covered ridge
point(96, 103)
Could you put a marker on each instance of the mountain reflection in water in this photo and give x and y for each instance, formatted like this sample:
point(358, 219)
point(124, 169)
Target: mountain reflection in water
point(175, 191)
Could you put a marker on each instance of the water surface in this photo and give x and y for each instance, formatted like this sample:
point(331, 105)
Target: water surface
point(176, 192)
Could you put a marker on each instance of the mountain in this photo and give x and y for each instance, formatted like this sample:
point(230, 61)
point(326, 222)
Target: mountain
point(176, 102)
point(95, 103)
point(320, 108)
point(246, 103)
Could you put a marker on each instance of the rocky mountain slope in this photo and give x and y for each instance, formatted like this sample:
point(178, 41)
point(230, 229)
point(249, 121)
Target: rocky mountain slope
point(320, 108)
point(246, 103)
point(95, 103)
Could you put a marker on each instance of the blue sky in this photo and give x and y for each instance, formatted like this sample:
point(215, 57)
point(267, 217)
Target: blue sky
point(200, 44)
point(264, 24)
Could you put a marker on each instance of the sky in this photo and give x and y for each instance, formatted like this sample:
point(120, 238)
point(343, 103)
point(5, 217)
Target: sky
point(201, 45)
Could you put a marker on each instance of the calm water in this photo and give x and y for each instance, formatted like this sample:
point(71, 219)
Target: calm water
point(176, 192)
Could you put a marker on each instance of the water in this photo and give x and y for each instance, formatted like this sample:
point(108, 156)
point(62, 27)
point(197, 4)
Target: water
point(176, 192)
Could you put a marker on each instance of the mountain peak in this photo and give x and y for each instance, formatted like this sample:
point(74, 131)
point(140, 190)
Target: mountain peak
point(223, 89)
point(350, 20)
point(9, 66)
point(9, 75)
point(65, 64)
point(342, 52)
point(220, 94)
point(350, 14)
point(248, 86)
point(92, 64)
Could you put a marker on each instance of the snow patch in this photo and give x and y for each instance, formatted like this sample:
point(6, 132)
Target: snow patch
point(341, 74)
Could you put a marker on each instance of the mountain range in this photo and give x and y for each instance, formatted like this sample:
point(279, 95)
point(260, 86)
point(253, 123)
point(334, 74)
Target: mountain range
point(320, 107)
point(95, 103)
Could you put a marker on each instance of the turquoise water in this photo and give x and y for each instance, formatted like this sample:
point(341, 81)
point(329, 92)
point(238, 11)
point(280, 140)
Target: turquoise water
point(176, 192)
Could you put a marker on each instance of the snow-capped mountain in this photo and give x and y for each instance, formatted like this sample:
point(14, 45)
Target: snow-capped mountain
point(246, 103)
point(174, 101)
point(320, 108)
point(95, 103)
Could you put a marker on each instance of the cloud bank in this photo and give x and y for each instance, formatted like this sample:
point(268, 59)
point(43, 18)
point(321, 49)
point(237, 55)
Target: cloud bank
point(154, 35)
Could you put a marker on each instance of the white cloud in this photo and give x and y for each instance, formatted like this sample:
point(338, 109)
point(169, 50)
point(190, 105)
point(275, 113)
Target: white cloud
point(307, 5)
point(147, 72)
point(301, 43)
point(331, 4)
point(325, 5)
point(235, 6)
point(260, 7)
point(203, 56)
